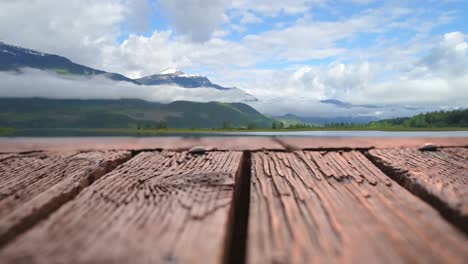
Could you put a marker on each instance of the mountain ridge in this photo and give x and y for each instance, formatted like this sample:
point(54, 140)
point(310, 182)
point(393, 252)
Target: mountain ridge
point(125, 113)
point(183, 80)
point(14, 58)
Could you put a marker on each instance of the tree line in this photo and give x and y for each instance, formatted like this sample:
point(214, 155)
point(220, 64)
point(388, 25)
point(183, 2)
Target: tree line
point(437, 119)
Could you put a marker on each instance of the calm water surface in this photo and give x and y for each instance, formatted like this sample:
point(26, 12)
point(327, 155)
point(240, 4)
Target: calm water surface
point(81, 133)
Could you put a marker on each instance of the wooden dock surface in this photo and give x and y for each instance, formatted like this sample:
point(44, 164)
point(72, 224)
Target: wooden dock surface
point(240, 200)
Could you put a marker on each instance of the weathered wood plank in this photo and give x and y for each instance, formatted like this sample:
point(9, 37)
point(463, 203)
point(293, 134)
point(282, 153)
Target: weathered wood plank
point(240, 143)
point(131, 143)
point(332, 207)
point(313, 143)
point(34, 185)
point(157, 208)
point(439, 177)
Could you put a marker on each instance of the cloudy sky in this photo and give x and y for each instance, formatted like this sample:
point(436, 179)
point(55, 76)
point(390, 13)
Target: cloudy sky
point(290, 54)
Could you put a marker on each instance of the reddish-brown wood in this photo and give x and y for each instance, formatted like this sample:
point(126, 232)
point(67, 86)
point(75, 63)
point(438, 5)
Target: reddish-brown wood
point(163, 207)
point(34, 185)
point(220, 143)
point(129, 143)
point(301, 143)
point(327, 207)
point(241, 143)
point(439, 177)
point(320, 206)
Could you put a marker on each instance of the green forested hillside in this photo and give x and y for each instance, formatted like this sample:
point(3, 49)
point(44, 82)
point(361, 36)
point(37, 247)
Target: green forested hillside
point(439, 119)
point(125, 113)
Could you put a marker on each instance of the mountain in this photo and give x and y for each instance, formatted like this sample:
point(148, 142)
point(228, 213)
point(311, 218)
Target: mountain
point(125, 113)
point(175, 77)
point(13, 58)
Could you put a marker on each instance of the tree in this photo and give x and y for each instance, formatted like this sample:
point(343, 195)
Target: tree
point(226, 125)
point(251, 126)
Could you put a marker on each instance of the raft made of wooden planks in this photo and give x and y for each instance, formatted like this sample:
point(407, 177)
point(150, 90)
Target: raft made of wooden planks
point(243, 203)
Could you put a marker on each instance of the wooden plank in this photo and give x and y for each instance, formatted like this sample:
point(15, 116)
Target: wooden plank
point(327, 207)
point(157, 208)
point(439, 177)
point(95, 143)
point(34, 185)
point(314, 143)
point(240, 143)
point(132, 143)
point(220, 143)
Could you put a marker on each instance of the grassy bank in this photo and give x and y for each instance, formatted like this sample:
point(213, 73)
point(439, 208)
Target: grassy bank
point(6, 131)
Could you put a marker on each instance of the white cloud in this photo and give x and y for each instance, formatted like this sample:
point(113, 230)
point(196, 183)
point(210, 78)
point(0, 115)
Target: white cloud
point(196, 19)
point(427, 83)
point(73, 28)
point(148, 55)
point(275, 7)
point(441, 77)
point(36, 83)
point(198, 40)
point(137, 15)
point(305, 40)
point(363, 2)
point(308, 39)
point(450, 57)
point(250, 18)
point(338, 81)
point(436, 81)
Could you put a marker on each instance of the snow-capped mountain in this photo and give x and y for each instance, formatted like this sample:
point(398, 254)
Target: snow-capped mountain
point(174, 76)
point(16, 59)
point(170, 71)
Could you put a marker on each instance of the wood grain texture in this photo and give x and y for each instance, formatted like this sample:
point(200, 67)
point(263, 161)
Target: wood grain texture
point(135, 143)
point(35, 184)
point(95, 143)
point(240, 143)
point(157, 208)
point(328, 207)
point(439, 177)
point(220, 143)
point(313, 143)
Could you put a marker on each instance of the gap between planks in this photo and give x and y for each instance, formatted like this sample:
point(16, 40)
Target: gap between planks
point(405, 179)
point(236, 236)
point(236, 242)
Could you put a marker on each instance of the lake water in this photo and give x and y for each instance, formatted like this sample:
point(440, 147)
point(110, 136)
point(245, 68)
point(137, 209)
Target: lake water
point(81, 133)
point(353, 134)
